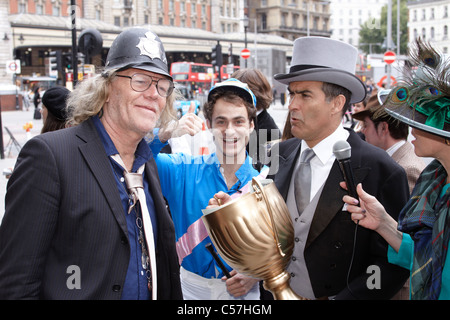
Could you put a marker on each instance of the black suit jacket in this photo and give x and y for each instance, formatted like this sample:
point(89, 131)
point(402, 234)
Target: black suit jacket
point(329, 245)
point(262, 134)
point(62, 209)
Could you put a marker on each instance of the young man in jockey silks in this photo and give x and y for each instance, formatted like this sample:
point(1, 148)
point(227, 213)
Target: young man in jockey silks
point(188, 182)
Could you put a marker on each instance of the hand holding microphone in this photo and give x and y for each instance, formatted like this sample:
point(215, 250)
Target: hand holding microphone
point(375, 211)
point(343, 152)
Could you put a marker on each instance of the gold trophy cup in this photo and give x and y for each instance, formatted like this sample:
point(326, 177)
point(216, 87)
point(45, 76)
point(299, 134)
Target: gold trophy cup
point(254, 235)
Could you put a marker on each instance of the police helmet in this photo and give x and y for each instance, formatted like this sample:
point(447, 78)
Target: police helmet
point(137, 48)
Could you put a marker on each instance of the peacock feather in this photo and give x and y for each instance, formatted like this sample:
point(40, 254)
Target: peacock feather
point(424, 84)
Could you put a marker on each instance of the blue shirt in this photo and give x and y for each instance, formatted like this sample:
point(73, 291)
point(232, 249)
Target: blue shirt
point(188, 183)
point(404, 258)
point(135, 286)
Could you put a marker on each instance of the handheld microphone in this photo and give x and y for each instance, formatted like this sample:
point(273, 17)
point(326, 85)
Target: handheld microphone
point(343, 151)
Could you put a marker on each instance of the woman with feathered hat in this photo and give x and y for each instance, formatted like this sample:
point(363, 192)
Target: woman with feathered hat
point(420, 239)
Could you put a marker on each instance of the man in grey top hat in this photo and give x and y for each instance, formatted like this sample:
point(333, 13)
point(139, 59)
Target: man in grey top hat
point(331, 259)
point(73, 227)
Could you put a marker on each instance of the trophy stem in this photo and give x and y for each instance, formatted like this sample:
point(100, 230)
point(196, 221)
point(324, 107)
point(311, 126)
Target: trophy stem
point(279, 286)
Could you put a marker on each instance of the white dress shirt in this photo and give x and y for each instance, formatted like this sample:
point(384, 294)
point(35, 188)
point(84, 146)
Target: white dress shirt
point(323, 161)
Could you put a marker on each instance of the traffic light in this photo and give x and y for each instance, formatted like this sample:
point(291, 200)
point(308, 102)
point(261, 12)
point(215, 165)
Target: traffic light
point(216, 56)
point(55, 60)
point(67, 60)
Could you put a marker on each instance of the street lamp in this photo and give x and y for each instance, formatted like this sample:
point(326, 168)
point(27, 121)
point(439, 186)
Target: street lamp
point(246, 22)
point(308, 12)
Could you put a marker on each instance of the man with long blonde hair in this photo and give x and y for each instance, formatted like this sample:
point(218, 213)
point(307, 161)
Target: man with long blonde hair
point(85, 216)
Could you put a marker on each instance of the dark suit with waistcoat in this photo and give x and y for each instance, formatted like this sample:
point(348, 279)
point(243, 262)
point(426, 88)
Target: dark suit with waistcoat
point(329, 244)
point(77, 219)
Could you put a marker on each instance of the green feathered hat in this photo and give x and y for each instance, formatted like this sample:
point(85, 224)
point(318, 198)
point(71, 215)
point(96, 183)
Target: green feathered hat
point(422, 98)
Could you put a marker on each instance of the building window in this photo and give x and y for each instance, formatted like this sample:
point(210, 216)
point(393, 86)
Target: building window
point(263, 21)
point(56, 12)
point(325, 24)
point(24, 56)
point(41, 57)
point(316, 24)
point(117, 21)
point(295, 21)
point(22, 8)
point(39, 9)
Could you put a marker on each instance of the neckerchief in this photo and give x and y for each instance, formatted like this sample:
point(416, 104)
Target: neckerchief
point(426, 217)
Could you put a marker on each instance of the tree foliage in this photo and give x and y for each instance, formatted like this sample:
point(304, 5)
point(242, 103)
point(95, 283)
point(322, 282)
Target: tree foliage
point(373, 32)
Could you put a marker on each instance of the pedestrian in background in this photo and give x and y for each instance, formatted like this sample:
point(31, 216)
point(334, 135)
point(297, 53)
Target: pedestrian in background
point(54, 114)
point(37, 102)
point(391, 135)
point(74, 226)
point(419, 241)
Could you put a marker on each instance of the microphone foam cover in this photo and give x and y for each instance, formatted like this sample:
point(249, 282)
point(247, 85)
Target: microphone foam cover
point(342, 150)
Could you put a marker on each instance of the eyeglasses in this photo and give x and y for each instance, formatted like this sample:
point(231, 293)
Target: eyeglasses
point(140, 82)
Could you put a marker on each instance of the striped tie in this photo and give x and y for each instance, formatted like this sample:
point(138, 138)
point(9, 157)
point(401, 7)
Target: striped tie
point(135, 185)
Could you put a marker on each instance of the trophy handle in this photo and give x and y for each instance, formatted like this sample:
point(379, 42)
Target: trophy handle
point(259, 191)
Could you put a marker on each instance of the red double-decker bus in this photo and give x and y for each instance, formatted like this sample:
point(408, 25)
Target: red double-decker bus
point(192, 75)
point(197, 76)
point(224, 73)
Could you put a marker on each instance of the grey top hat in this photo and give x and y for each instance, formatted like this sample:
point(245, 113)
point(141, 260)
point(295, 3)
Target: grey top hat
point(326, 60)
